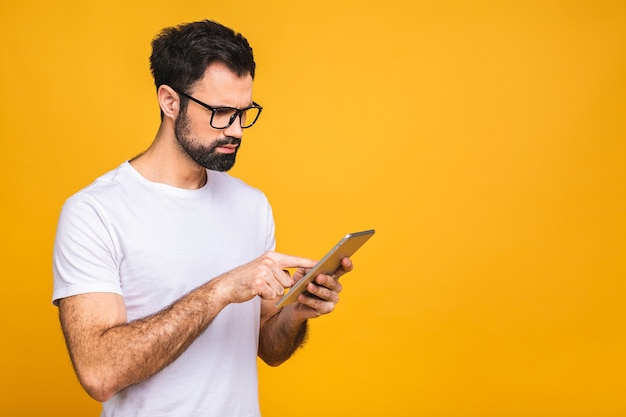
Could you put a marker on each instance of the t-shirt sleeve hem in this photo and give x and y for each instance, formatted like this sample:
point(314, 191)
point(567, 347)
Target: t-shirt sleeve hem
point(76, 290)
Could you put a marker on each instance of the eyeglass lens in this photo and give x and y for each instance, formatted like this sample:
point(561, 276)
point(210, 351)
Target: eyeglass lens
point(223, 118)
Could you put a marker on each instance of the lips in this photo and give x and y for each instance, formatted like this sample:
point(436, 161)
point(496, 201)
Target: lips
point(227, 148)
point(227, 145)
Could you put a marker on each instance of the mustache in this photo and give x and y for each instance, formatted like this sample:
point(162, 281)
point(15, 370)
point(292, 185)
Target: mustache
point(228, 140)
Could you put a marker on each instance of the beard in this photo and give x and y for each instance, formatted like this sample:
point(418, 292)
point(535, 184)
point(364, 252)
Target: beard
point(205, 156)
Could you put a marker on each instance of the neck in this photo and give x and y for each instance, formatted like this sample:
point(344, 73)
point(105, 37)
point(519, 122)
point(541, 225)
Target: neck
point(165, 162)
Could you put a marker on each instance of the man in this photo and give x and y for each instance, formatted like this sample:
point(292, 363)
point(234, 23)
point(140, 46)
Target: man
point(165, 273)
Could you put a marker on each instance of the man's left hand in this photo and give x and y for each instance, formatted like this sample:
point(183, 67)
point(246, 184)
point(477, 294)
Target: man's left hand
point(322, 294)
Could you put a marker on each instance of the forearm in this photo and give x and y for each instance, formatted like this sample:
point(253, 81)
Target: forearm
point(110, 354)
point(281, 335)
point(148, 345)
point(113, 358)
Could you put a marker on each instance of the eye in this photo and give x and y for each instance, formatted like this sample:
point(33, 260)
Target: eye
point(224, 112)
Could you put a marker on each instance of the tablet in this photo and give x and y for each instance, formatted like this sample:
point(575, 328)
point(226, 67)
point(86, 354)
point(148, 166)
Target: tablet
point(347, 246)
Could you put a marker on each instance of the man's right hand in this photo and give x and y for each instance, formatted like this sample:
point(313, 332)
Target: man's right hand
point(264, 276)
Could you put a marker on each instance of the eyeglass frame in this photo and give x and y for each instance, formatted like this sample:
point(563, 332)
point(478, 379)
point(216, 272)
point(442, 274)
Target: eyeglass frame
point(238, 112)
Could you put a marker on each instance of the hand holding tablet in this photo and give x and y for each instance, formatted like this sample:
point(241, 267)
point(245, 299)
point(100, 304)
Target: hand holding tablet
point(347, 246)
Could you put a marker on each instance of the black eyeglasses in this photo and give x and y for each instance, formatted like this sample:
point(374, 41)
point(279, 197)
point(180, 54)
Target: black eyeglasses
point(223, 117)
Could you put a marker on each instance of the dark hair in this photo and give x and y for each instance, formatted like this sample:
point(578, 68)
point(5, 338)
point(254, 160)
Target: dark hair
point(181, 54)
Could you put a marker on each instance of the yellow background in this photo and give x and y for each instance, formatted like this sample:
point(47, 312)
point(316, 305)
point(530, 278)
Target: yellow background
point(484, 140)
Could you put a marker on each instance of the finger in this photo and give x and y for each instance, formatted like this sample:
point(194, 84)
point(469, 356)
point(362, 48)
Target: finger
point(322, 293)
point(300, 273)
point(346, 266)
point(267, 287)
point(288, 261)
point(326, 282)
point(318, 305)
point(329, 281)
point(273, 273)
point(264, 289)
point(282, 277)
point(346, 263)
point(267, 293)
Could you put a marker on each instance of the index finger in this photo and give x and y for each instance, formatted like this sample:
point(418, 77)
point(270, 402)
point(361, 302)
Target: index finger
point(288, 261)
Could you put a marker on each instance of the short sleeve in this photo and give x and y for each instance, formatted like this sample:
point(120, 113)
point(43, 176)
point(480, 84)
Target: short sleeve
point(84, 256)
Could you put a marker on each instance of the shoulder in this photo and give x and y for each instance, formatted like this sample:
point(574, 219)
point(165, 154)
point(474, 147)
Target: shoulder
point(104, 182)
point(91, 201)
point(117, 182)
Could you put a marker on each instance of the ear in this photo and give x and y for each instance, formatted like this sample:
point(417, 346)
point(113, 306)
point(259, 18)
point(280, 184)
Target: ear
point(169, 101)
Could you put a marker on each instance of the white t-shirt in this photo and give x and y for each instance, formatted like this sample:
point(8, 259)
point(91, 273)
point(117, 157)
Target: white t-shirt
point(152, 243)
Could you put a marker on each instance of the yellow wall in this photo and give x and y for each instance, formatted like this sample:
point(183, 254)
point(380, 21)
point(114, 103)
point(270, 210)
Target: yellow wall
point(484, 140)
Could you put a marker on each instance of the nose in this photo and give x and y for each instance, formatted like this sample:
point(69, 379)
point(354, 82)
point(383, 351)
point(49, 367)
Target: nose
point(234, 129)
